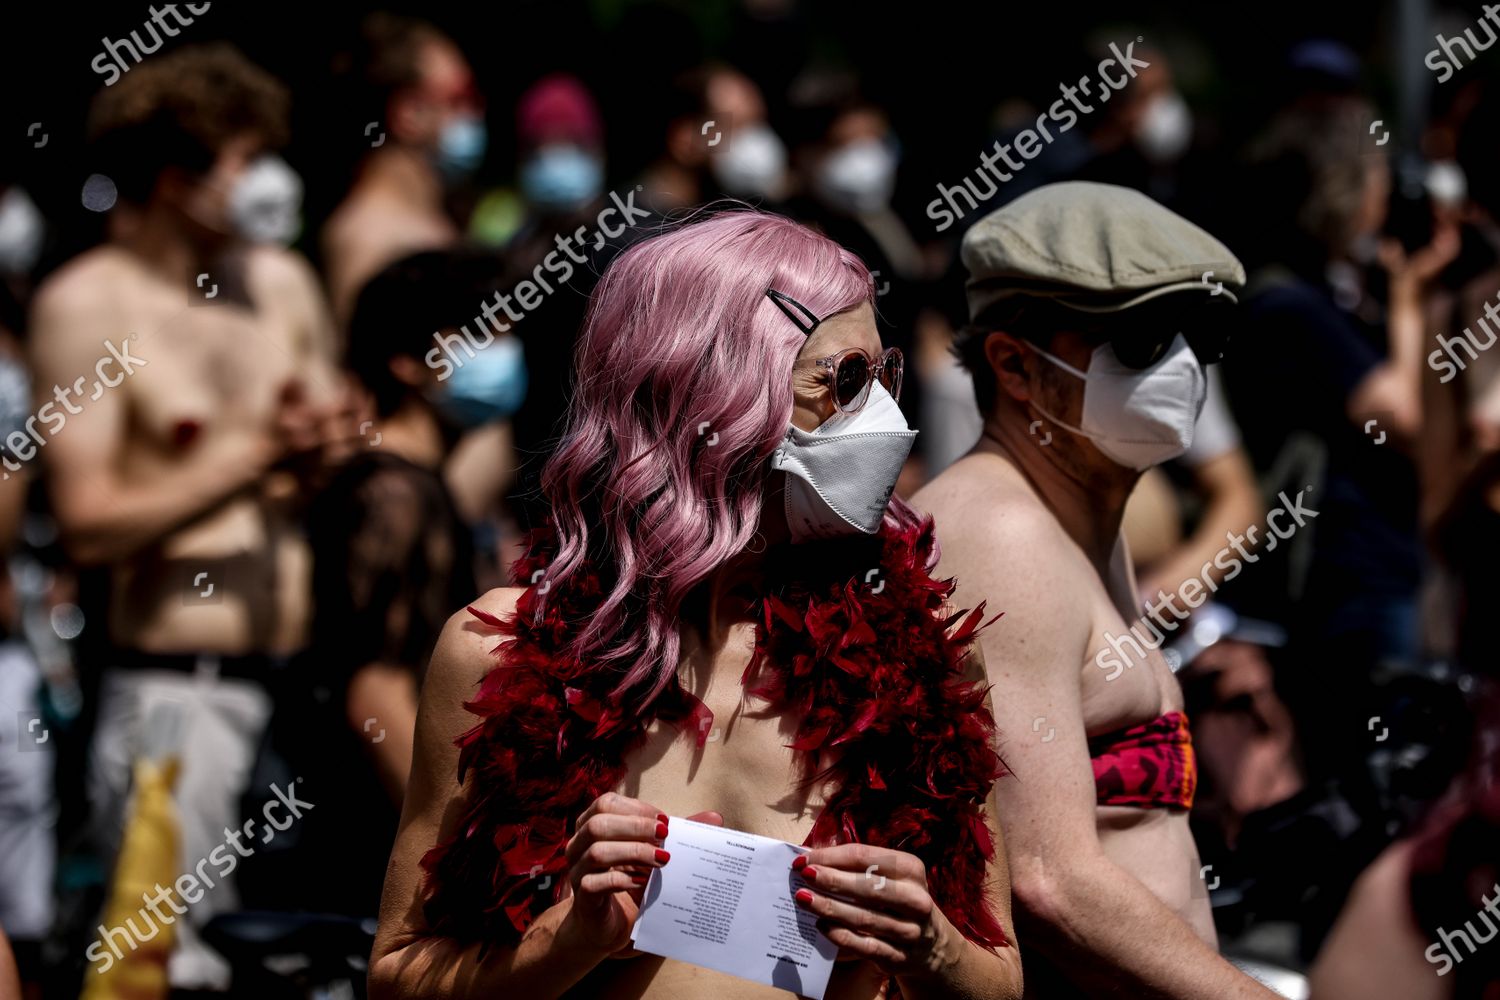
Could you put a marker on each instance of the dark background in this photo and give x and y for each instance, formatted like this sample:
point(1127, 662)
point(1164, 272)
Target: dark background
point(939, 68)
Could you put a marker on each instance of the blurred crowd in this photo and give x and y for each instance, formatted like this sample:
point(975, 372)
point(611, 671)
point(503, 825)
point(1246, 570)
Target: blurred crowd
point(259, 446)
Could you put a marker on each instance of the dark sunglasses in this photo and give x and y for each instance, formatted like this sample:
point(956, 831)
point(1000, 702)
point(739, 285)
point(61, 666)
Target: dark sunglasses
point(850, 372)
point(1144, 349)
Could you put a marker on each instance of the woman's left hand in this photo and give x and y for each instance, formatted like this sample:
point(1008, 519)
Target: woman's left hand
point(883, 912)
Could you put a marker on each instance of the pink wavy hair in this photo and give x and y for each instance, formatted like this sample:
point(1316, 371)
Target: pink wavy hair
point(681, 348)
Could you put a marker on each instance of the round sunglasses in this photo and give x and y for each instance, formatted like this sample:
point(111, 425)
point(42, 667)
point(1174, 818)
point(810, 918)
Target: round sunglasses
point(851, 372)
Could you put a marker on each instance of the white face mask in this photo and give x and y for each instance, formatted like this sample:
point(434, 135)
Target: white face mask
point(754, 165)
point(859, 177)
point(840, 476)
point(22, 231)
point(1165, 129)
point(265, 205)
point(1139, 418)
point(1447, 184)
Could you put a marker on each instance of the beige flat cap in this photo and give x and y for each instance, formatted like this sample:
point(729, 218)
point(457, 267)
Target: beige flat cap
point(1095, 248)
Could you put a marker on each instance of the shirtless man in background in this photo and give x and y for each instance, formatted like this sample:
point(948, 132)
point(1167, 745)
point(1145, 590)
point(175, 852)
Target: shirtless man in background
point(1090, 329)
point(175, 477)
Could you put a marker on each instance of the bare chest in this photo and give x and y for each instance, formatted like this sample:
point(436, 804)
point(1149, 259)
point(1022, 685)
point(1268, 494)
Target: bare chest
point(1126, 679)
point(205, 369)
point(744, 770)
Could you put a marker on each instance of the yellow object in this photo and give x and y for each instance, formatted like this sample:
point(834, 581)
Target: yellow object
point(149, 856)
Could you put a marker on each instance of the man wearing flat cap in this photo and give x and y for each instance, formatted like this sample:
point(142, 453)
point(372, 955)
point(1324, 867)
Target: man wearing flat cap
point(1094, 312)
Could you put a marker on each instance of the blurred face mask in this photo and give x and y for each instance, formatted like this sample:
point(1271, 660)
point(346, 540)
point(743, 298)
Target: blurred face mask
point(462, 145)
point(265, 204)
point(487, 387)
point(1138, 417)
point(754, 165)
point(840, 476)
point(561, 178)
point(859, 177)
point(22, 231)
point(1165, 128)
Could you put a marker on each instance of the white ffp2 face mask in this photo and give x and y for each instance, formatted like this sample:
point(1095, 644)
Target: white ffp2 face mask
point(265, 204)
point(860, 177)
point(22, 231)
point(754, 165)
point(1138, 417)
point(840, 476)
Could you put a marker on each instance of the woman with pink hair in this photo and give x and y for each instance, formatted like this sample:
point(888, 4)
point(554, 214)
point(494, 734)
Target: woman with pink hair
point(728, 618)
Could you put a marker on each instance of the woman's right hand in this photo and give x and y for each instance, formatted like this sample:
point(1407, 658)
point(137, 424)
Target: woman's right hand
point(616, 844)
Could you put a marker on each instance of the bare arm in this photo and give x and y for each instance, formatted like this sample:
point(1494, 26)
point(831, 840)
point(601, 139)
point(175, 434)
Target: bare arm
point(1392, 391)
point(105, 516)
point(480, 470)
point(382, 708)
point(1079, 908)
point(976, 971)
point(408, 960)
point(12, 508)
point(1233, 504)
point(10, 978)
point(1376, 948)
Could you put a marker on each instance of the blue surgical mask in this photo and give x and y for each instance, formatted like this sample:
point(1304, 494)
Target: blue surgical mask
point(561, 178)
point(462, 145)
point(489, 386)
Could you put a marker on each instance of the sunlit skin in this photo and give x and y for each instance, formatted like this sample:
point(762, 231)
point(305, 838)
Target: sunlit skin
point(176, 480)
point(395, 206)
point(744, 779)
point(1034, 529)
point(163, 477)
point(812, 401)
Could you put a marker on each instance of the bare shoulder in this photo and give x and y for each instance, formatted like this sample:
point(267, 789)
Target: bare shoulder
point(279, 270)
point(80, 305)
point(465, 652)
point(85, 282)
point(985, 516)
point(1002, 546)
point(432, 809)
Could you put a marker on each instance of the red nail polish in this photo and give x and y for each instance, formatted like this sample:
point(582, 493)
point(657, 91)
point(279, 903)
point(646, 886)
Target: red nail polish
point(662, 856)
point(809, 871)
point(661, 817)
point(661, 830)
point(803, 896)
point(799, 863)
point(639, 879)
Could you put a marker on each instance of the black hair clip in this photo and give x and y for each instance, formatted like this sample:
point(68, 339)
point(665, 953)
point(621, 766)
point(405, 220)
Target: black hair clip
point(807, 322)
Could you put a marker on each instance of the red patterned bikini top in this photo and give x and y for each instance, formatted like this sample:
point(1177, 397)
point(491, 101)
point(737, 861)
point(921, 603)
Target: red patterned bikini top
point(1150, 766)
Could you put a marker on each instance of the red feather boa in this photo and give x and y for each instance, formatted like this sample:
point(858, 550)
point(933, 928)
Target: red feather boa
point(870, 665)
